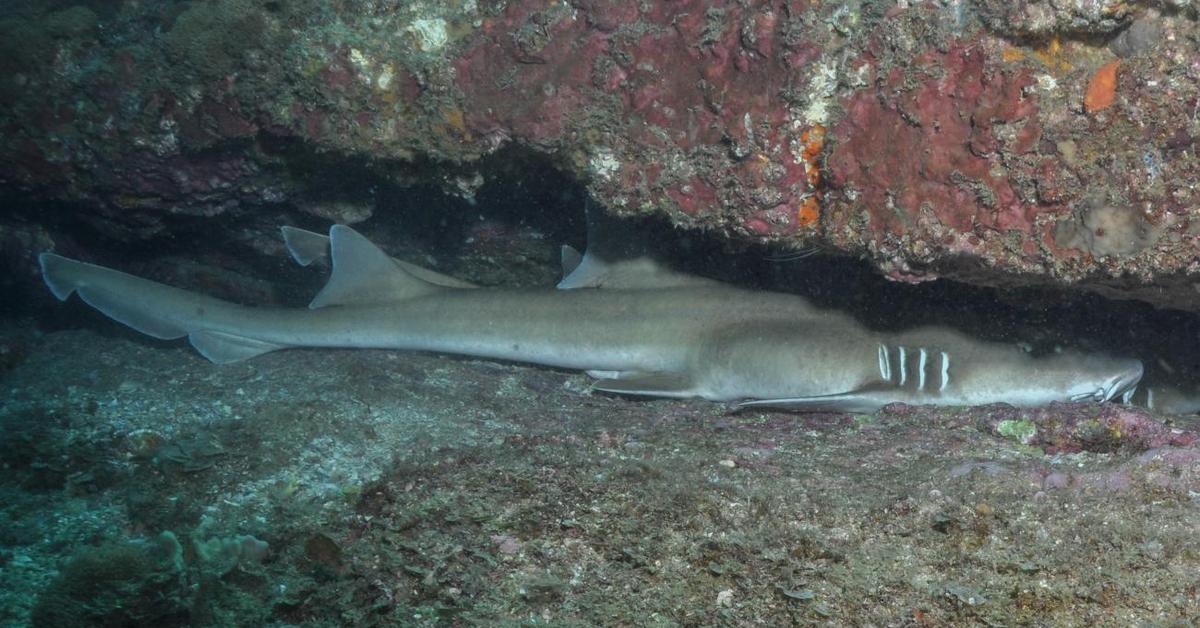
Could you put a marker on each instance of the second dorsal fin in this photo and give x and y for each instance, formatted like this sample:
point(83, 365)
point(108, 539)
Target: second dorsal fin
point(362, 274)
point(305, 246)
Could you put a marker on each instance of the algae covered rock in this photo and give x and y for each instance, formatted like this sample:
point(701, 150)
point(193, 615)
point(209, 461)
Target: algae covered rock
point(124, 583)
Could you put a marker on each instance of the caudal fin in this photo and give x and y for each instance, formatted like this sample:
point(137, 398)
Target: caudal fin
point(153, 308)
point(117, 295)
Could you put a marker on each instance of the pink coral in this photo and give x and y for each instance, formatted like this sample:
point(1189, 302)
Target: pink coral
point(710, 78)
point(930, 152)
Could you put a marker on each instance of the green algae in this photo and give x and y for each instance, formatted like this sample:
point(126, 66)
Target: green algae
point(1023, 430)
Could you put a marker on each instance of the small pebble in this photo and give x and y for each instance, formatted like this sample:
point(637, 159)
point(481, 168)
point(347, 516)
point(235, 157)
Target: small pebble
point(1141, 36)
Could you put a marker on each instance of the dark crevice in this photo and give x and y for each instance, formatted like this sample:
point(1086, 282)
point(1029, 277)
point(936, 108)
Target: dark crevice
point(508, 230)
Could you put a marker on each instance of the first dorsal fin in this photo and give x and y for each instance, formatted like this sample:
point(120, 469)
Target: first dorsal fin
point(362, 274)
point(618, 255)
point(570, 258)
point(582, 271)
point(629, 274)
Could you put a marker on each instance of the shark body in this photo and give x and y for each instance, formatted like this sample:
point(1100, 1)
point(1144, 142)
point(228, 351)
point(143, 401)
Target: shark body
point(664, 335)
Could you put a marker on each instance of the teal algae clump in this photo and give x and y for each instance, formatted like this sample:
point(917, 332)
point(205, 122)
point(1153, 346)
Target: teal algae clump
point(117, 584)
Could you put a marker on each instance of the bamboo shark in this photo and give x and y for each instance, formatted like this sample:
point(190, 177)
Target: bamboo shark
point(662, 334)
point(623, 266)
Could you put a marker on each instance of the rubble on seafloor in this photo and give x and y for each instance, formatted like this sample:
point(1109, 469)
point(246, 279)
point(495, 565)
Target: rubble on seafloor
point(375, 488)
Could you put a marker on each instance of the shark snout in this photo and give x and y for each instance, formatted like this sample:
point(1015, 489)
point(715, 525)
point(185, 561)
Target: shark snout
point(1126, 377)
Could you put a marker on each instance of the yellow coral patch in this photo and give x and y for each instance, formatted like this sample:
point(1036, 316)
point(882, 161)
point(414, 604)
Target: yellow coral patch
point(1054, 55)
point(456, 120)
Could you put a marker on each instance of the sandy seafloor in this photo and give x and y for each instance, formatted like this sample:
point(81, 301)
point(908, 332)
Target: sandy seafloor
point(143, 485)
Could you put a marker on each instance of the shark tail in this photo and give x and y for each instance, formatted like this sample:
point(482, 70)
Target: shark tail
point(226, 332)
point(154, 309)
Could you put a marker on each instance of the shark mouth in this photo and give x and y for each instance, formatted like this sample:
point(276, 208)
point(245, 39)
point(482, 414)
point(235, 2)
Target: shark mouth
point(1123, 386)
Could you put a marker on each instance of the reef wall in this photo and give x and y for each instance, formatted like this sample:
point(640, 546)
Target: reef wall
point(991, 141)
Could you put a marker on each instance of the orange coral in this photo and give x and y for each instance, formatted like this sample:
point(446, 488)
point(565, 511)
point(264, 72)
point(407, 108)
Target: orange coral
point(1102, 88)
point(813, 141)
point(809, 211)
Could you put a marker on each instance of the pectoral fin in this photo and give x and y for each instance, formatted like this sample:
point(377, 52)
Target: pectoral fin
point(868, 398)
point(650, 384)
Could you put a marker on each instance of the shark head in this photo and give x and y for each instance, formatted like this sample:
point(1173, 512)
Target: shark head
point(932, 367)
point(1014, 377)
point(1074, 376)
